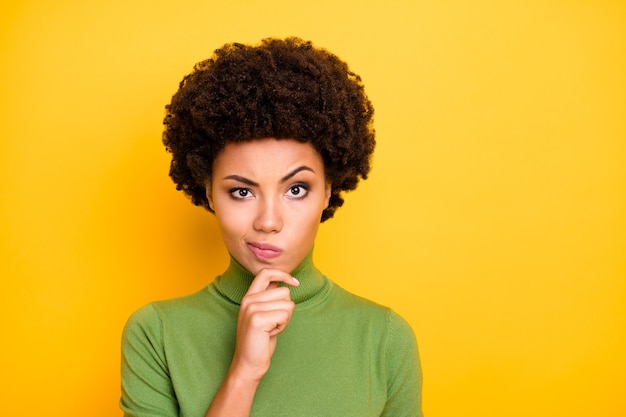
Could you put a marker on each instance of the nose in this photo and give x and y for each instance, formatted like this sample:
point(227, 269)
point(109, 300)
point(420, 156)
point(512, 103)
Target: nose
point(269, 216)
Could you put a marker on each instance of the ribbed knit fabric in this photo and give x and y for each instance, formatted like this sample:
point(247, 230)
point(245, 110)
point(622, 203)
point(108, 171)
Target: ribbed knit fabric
point(341, 355)
point(234, 283)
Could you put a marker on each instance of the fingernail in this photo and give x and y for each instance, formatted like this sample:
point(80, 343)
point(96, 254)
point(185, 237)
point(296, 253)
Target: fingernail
point(295, 280)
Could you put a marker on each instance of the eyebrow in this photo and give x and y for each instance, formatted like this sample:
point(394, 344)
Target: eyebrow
point(283, 179)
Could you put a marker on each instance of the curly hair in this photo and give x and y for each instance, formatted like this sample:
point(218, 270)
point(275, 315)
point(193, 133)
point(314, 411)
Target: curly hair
point(281, 88)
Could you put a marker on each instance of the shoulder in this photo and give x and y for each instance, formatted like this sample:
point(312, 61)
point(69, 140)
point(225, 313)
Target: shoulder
point(396, 351)
point(190, 302)
point(150, 317)
point(370, 311)
point(144, 317)
point(353, 301)
point(143, 332)
point(167, 307)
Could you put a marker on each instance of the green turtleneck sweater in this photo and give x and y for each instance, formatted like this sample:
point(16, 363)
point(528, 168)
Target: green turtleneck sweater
point(341, 355)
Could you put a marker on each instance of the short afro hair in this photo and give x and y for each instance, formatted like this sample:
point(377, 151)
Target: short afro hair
point(281, 88)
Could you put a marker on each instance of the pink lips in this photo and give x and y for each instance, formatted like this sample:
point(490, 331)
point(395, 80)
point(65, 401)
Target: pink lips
point(264, 251)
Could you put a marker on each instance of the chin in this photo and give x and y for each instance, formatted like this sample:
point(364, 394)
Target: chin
point(257, 266)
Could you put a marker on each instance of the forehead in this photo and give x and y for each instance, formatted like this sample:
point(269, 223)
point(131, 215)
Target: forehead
point(267, 156)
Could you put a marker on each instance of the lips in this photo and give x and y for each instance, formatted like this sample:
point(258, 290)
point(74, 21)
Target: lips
point(264, 251)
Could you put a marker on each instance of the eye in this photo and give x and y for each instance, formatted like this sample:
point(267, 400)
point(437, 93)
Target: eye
point(240, 193)
point(297, 191)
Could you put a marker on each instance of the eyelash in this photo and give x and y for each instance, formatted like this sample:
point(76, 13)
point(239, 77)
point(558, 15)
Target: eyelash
point(237, 191)
point(301, 187)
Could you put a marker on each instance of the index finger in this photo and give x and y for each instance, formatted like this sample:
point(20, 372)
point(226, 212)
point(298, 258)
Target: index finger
point(263, 280)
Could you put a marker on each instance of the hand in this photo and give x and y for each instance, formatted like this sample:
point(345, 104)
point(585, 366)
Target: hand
point(265, 312)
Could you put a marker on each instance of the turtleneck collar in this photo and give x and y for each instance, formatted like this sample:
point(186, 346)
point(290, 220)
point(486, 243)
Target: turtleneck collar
point(235, 281)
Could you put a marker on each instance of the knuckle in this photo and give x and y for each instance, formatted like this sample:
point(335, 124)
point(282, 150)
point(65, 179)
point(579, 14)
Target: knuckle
point(283, 292)
point(245, 303)
point(286, 316)
point(257, 319)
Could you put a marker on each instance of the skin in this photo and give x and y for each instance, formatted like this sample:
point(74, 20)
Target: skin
point(268, 196)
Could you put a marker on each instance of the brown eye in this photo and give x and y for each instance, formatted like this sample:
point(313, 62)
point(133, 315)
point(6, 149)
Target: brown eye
point(297, 191)
point(240, 193)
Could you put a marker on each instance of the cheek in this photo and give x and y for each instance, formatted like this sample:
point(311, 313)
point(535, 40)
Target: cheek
point(228, 221)
point(309, 224)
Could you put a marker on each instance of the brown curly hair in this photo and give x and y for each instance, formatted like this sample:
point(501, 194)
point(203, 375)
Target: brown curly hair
point(282, 88)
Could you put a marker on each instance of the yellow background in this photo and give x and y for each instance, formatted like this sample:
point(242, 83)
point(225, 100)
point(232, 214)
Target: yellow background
point(494, 219)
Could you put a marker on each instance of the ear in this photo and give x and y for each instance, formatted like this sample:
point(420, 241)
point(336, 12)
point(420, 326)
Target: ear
point(209, 194)
point(328, 192)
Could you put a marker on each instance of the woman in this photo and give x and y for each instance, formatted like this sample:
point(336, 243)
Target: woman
point(268, 137)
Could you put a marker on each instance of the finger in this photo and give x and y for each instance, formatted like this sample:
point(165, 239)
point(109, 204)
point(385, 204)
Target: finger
point(268, 306)
point(271, 294)
point(271, 322)
point(267, 276)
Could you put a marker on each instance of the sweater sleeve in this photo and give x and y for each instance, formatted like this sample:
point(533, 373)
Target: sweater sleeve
point(403, 370)
point(147, 389)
